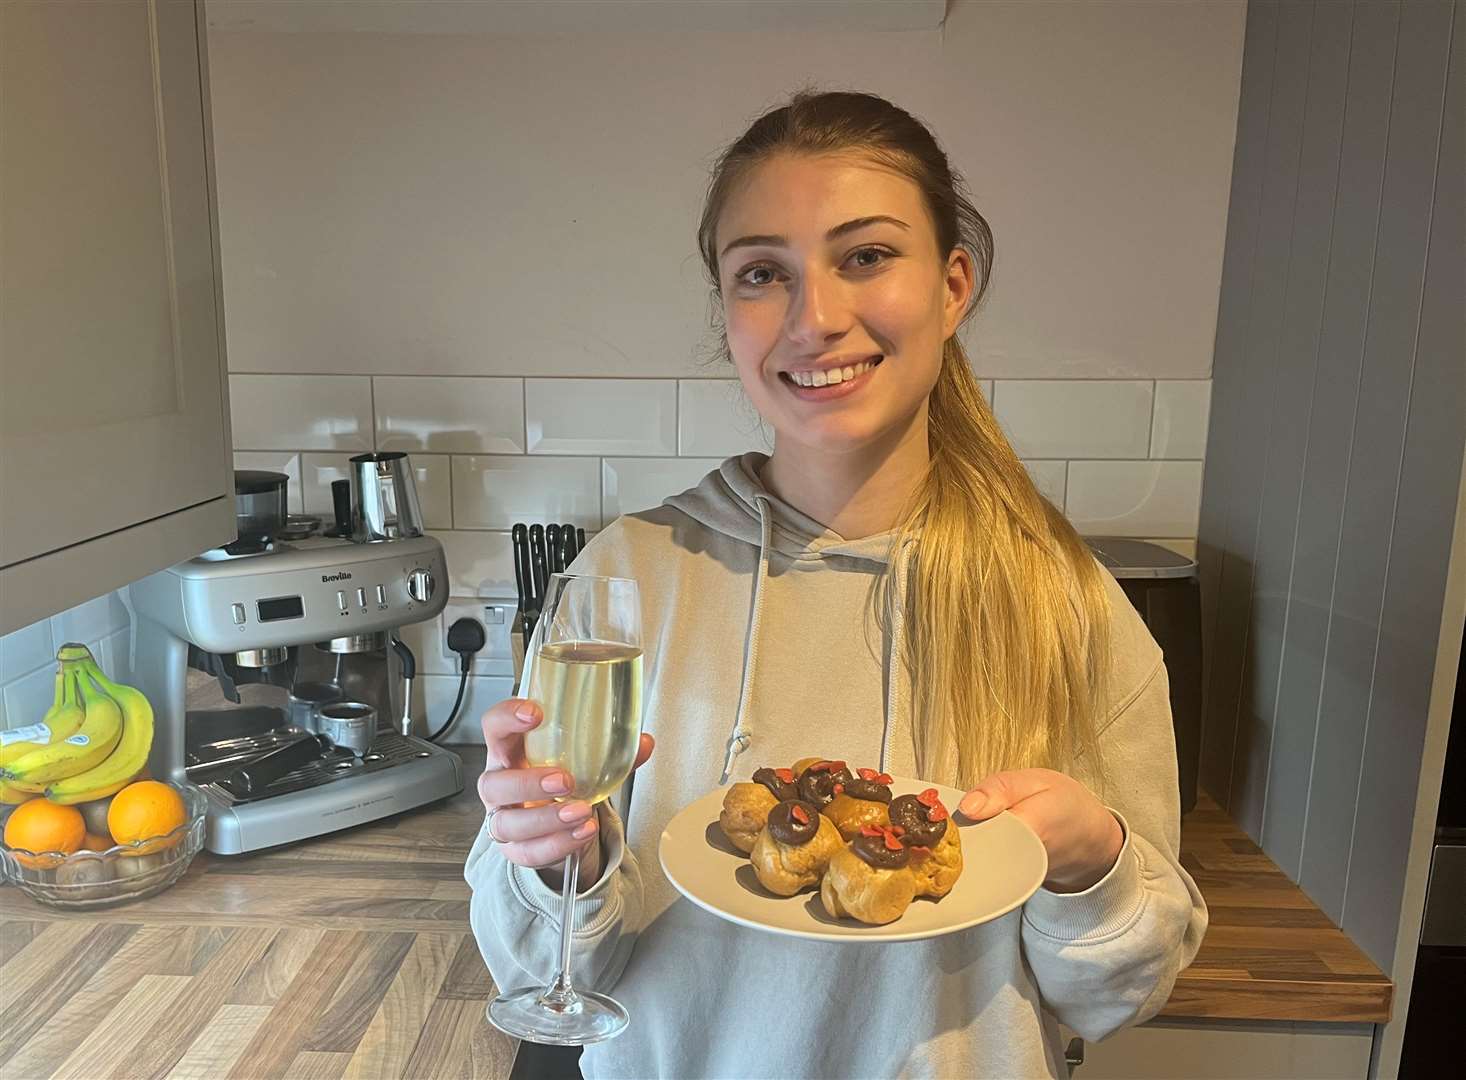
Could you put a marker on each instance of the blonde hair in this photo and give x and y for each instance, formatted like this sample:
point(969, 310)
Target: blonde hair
point(1007, 615)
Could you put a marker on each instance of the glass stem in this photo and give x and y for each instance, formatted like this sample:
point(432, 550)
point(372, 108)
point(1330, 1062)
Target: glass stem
point(561, 995)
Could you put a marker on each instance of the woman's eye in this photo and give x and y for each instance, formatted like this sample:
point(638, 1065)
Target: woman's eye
point(879, 256)
point(747, 276)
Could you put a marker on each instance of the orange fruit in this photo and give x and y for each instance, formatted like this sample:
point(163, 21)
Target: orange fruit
point(93, 842)
point(42, 826)
point(143, 811)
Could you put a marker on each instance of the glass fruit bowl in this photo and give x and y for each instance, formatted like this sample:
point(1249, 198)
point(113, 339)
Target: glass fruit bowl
point(92, 879)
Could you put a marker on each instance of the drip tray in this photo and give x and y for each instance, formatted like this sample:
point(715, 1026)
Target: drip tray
point(223, 757)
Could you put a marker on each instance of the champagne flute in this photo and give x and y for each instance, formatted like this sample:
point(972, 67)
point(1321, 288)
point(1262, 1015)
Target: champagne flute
point(586, 675)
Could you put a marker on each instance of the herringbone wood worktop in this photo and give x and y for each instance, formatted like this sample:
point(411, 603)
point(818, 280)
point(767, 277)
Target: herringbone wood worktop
point(351, 956)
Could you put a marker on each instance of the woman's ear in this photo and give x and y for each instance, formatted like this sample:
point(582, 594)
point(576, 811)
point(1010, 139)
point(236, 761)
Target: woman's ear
point(959, 283)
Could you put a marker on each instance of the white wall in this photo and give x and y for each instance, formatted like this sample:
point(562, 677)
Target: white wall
point(28, 655)
point(480, 248)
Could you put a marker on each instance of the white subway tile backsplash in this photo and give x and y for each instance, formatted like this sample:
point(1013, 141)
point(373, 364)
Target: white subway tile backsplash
point(601, 416)
point(26, 699)
point(432, 702)
point(632, 484)
point(1134, 498)
point(492, 492)
point(317, 471)
point(301, 412)
point(716, 419)
point(90, 621)
point(450, 415)
point(275, 461)
point(24, 650)
point(1049, 478)
point(433, 476)
point(479, 563)
point(116, 655)
point(1075, 418)
point(987, 389)
point(1182, 408)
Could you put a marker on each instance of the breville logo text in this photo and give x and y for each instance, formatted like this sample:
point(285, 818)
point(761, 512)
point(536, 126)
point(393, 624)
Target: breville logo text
point(343, 576)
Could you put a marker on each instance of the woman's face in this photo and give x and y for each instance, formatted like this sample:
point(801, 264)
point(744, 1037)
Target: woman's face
point(835, 298)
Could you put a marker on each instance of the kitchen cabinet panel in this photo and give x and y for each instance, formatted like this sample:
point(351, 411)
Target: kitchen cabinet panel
point(114, 408)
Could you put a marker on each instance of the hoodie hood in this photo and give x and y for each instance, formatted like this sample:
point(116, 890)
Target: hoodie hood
point(733, 501)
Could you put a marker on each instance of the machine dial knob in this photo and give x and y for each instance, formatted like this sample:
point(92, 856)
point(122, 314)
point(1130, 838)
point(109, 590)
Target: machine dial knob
point(420, 585)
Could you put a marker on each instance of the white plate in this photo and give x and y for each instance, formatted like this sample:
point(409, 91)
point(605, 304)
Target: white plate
point(1003, 864)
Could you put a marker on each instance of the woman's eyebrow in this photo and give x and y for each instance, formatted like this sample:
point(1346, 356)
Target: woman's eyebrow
point(771, 240)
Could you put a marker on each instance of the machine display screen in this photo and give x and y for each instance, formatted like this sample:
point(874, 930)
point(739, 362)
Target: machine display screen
point(281, 607)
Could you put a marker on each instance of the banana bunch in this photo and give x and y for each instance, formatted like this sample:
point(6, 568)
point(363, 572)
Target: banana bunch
point(96, 738)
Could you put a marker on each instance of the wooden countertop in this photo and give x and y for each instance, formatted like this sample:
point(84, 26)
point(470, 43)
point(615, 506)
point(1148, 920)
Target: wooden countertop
point(350, 956)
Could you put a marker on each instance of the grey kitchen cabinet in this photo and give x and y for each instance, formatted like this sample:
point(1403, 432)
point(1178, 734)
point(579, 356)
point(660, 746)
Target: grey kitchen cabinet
point(114, 420)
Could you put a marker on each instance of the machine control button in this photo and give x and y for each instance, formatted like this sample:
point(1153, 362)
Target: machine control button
point(420, 585)
point(381, 594)
point(237, 610)
point(341, 600)
point(361, 598)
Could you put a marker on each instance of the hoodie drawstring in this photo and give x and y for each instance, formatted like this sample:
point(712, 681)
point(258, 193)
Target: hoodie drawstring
point(738, 739)
point(900, 568)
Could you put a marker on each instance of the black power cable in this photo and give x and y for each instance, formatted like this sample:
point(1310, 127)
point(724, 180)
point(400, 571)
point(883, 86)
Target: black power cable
point(466, 637)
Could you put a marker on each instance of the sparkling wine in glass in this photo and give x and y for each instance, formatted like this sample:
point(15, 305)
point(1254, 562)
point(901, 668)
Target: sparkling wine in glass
point(586, 675)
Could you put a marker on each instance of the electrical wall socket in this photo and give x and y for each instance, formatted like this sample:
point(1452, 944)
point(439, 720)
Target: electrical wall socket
point(497, 615)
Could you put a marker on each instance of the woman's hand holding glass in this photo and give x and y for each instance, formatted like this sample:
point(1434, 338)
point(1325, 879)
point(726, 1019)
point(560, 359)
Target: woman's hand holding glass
point(530, 828)
point(1083, 838)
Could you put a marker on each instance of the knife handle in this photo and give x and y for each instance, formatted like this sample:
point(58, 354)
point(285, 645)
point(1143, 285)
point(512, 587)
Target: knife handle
point(553, 550)
point(538, 563)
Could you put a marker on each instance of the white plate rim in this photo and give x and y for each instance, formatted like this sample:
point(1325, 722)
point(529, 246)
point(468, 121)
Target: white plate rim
point(853, 934)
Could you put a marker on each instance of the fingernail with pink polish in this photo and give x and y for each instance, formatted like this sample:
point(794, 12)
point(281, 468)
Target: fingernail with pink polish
point(973, 804)
point(582, 831)
point(574, 811)
point(556, 784)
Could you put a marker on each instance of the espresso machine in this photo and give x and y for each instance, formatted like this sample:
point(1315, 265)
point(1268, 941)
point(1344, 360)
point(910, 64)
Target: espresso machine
point(278, 680)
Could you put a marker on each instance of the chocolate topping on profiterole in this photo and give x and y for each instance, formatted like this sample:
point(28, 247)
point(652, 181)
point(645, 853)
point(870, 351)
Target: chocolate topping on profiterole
point(881, 848)
point(779, 781)
point(794, 822)
point(870, 785)
point(822, 781)
point(923, 817)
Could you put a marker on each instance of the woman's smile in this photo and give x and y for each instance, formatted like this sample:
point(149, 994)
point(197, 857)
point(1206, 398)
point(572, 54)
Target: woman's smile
point(830, 381)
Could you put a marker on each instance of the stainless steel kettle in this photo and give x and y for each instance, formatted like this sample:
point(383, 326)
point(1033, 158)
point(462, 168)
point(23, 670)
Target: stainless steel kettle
point(384, 498)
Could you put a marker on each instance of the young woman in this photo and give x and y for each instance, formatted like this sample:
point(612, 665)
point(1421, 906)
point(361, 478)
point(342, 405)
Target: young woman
point(886, 587)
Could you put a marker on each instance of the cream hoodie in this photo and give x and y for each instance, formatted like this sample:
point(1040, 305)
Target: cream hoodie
point(761, 649)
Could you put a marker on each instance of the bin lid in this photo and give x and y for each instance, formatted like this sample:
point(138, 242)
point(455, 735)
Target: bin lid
point(1139, 558)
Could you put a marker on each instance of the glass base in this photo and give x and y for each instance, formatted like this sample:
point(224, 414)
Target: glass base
point(579, 1018)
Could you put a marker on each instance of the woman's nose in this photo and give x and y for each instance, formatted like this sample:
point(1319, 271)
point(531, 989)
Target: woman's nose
point(816, 311)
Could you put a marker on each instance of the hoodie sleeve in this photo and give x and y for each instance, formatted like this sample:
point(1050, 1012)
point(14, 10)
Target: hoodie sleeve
point(515, 916)
point(1108, 956)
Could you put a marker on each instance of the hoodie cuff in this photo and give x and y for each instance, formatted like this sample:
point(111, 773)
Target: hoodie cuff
point(593, 907)
point(1104, 909)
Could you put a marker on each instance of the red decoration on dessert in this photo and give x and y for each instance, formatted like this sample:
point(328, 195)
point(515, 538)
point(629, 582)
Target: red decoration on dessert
point(929, 797)
point(937, 813)
point(786, 775)
point(839, 789)
point(870, 830)
point(826, 766)
point(892, 843)
point(799, 814)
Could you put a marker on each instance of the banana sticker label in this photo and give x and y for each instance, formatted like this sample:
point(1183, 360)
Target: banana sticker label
point(79, 740)
point(36, 733)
